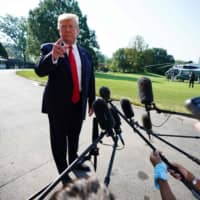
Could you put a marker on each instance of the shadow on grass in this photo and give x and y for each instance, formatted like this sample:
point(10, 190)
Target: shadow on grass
point(115, 77)
point(126, 78)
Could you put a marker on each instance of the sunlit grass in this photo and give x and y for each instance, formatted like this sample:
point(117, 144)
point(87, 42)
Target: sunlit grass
point(30, 74)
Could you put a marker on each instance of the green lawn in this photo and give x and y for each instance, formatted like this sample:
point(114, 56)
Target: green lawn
point(30, 74)
point(167, 95)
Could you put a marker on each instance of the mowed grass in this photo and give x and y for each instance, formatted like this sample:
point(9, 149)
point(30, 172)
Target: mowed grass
point(30, 74)
point(167, 94)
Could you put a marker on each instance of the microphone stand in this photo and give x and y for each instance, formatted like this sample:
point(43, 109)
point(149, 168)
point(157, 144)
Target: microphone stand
point(154, 107)
point(149, 132)
point(181, 136)
point(148, 114)
point(95, 151)
point(115, 138)
point(107, 178)
point(196, 160)
point(132, 124)
point(183, 180)
point(44, 192)
point(118, 130)
point(149, 107)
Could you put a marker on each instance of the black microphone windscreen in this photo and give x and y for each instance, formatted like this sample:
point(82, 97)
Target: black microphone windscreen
point(95, 129)
point(104, 92)
point(103, 114)
point(146, 121)
point(145, 90)
point(127, 108)
point(116, 117)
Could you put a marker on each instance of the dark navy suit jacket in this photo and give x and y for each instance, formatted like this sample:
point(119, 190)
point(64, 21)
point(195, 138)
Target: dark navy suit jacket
point(58, 90)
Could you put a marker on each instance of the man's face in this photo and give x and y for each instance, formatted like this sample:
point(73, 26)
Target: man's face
point(68, 31)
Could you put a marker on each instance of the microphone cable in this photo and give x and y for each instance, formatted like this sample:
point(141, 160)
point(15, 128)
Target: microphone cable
point(164, 122)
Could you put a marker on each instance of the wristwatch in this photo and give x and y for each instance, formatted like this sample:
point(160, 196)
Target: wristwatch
point(194, 181)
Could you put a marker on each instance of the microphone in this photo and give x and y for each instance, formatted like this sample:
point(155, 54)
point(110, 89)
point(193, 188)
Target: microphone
point(145, 91)
point(117, 123)
point(116, 118)
point(103, 115)
point(95, 135)
point(105, 93)
point(146, 121)
point(95, 130)
point(127, 108)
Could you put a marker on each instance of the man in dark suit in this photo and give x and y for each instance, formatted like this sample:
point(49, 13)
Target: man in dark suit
point(191, 79)
point(70, 85)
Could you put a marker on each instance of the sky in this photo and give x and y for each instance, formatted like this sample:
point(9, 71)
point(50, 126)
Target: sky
point(169, 24)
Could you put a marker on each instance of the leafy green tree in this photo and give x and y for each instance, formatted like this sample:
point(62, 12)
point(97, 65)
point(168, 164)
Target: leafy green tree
point(139, 45)
point(109, 64)
point(157, 60)
point(3, 52)
point(120, 60)
point(42, 25)
point(127, 60)
point(148, 56)
point(15, 28)
point(131, 56)
point(101, 58)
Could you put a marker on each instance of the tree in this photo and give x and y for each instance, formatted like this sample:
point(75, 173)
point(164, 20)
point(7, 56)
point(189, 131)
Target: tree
point(15, 28)
point(119, 60)
point(157, 60)
point(3, 52)
point(42, 25)
point(101, 61)
point(148, 55)
point(131, 59)
point(138, 58)
point(138, 43)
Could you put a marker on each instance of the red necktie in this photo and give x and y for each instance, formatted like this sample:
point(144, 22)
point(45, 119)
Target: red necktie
point(72, 61)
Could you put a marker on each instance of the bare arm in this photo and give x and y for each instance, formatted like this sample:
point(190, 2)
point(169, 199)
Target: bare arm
point(165, 190)
point(189, 177)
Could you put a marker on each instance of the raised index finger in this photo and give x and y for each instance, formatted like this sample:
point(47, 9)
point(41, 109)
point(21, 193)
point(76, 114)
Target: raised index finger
point(59, 41)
